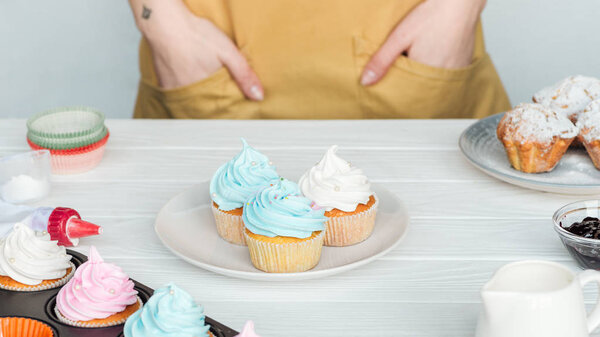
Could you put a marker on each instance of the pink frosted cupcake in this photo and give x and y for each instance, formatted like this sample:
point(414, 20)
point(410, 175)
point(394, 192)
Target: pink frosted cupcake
point(248, 330)
point(99, 295)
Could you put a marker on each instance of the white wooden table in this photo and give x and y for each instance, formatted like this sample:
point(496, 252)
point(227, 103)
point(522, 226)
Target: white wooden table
point(464, 224)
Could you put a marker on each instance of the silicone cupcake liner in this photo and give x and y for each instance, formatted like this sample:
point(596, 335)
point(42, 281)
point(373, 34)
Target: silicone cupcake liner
point(44, 286)
point(24, 327)
point(350, 229)
point(66, 122)
point(67, 143)
point(109, 322)
point(290, 257)
point(230, 227)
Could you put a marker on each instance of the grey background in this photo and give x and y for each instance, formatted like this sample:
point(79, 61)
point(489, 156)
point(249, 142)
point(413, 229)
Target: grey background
point(69, 52)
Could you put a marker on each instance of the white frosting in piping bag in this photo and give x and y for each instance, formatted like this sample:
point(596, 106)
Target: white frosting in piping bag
point(30, 257)
point(335, 183)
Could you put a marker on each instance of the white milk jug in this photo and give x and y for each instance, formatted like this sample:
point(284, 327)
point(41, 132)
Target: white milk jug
point(537, 299)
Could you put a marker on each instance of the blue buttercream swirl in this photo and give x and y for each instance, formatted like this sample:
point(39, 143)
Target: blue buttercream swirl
point(170, 312)
point(236, 181)
point(280, 210)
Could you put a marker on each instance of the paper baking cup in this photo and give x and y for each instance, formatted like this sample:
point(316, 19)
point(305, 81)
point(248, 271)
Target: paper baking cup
point(23, 327)
point(230, 227)
point(66, 143)
point(72, 151)
point(76, 160)
point(290, 257)
point(44, 286)
point(66, 122)
point(350, 229)
point(106, 322)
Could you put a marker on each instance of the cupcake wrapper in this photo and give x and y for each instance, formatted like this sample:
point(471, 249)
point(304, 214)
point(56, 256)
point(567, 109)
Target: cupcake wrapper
point(23, 327)
point(351, 229)
point(76, 160)
point(74, 150)
point(285, 257)
point(76, 163)
point(68, 143)
point(58, 283)
point(230, 227)
point(83, 324)
point(41, 124)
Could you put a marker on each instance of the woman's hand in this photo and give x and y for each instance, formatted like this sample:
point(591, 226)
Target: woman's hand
point(187, 49)
point(439, 33)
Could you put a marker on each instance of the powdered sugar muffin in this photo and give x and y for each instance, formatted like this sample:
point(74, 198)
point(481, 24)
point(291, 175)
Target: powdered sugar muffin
point(589, 131)
point(535, 137)
point(570, 96)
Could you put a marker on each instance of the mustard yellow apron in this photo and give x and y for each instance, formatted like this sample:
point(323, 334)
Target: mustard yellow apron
point(309, 56)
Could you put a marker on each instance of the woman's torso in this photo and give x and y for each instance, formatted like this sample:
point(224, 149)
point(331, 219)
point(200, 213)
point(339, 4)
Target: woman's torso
point(309, 56)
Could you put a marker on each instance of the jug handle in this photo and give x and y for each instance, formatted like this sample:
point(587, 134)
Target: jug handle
point(585, 277)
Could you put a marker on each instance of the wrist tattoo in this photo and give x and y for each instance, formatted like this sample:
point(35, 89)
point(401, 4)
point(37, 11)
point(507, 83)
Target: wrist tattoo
point(146, 12)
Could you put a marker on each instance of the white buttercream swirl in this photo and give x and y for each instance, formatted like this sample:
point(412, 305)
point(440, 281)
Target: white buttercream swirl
point(30, 257)
point(335, 183)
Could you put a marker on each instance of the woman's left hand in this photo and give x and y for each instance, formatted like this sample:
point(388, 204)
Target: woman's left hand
point(439, 33)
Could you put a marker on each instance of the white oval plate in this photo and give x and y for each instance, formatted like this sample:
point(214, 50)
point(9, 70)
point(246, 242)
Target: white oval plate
point(186, 226)
point(574, 174)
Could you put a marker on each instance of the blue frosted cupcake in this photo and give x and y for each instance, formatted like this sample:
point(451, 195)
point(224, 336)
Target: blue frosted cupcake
point(235, 182)
point(284, 230)
point(170, 312)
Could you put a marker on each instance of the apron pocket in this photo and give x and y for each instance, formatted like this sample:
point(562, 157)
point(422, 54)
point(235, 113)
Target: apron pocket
point(414, 90)
point(211, 97)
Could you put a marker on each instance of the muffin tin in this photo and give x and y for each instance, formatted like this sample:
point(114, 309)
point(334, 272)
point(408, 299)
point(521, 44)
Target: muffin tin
point(40, 305)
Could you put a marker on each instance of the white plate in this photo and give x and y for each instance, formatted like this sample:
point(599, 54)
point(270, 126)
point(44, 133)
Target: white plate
point(574, 174)
point(186, 226)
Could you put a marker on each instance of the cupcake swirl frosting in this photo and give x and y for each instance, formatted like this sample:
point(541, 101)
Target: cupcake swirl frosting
point(248, 330)
point(30, 257)
point(335, 183)
point(96, 291)
point(235, 181)
point(280, 210)
point(170, 312)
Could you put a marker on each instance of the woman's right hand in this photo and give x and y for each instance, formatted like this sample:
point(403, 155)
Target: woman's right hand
point(187, 49)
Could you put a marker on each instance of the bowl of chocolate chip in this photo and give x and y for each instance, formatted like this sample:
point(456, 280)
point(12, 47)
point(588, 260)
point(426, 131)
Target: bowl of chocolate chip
point(578, 226)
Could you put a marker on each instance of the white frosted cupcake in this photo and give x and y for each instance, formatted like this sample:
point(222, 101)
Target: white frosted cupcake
point(30, 261)
point(345, 193)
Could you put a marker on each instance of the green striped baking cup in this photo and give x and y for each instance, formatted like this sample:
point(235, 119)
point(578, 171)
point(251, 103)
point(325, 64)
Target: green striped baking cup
point(67, 122)
point(67, 142)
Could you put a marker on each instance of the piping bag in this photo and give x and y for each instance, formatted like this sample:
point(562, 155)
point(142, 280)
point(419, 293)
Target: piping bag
point(63, 224)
